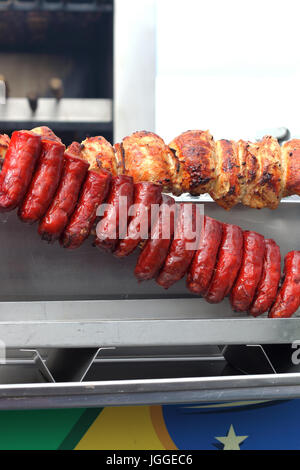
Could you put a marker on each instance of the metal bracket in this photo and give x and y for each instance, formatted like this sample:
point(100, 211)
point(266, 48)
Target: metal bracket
point(66, 364)
point(261, 359)
point(73, 364)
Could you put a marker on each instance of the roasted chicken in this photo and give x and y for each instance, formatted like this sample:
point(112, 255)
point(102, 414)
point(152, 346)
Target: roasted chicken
point(256, 174)
point(4, 143)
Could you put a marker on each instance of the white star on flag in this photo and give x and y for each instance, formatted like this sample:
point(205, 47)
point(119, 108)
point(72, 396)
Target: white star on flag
point(231, 441)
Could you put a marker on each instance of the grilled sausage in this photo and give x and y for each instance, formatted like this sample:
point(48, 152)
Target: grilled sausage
point(114, 222)
point(269, 282)
point(202, 267)
point(146, 194)
point(18, 167)
point(156, 248)
point(288, 299)
point(94, 192)
point(56, 218)
point(181, 252)
point(228, 264)
point(44, 182)
point(243, 291)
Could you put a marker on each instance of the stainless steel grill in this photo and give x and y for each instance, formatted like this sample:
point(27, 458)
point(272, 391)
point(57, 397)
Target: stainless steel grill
point(59, 309)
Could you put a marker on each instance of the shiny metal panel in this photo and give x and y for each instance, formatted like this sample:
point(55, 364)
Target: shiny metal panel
point(67, 110)
point(117, 333)
point(151, 391)
point(51, 297)
point(32, 270)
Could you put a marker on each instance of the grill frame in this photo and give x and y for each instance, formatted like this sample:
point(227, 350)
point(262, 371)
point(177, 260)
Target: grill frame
point(71, 328)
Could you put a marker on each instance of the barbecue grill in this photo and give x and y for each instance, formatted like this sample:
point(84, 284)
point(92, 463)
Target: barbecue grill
point(80, 331)
point(76, 329)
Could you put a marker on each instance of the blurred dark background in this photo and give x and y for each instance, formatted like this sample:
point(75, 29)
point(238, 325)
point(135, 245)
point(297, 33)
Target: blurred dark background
point(56, 59)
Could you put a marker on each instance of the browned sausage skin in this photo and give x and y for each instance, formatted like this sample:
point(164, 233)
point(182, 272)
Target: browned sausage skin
point(243, 291)
point(288, 299)
point(268, 286)
point(44, 182)
point(147, 197)
point(113, 225)
point(18, 167)
point(183, 246)
point(204, 261)
point(57, 216)
point(94, 192)
point(156, 249)
point(228, 263)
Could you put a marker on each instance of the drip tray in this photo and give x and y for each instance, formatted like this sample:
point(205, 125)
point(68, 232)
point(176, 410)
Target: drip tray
point(64, 378)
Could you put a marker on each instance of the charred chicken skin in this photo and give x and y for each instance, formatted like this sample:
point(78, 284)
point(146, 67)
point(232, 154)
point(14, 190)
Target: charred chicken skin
point(4, 143)
point(256, 174)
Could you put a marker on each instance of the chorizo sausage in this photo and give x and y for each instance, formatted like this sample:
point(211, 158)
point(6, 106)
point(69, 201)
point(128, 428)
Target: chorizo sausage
point(243, 291)
point(146, 194)
point(18, 167)
point(56, 218)
point(115, 217)
point(204, 261)
point(156, 248)
point(288, 298)
point(269, 282)
point(228, 264)
point(94, 192)
point(181, 252)
point(44, 182)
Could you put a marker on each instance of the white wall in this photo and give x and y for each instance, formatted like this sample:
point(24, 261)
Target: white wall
point(134, 66)
point(231, 66)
